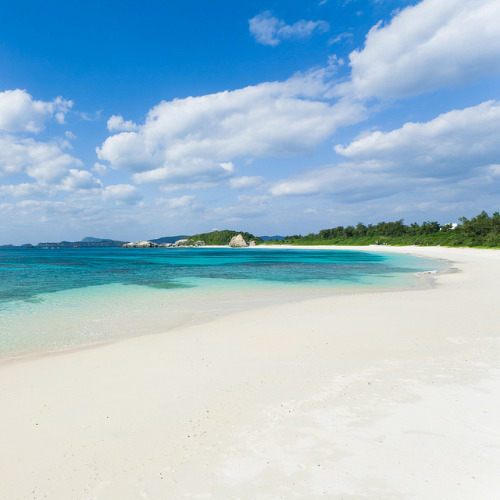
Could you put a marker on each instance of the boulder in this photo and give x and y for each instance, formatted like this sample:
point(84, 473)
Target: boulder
point(252, 243)
point(140, 244)
point(238, 242)
point(180, 243)
point(145, 244)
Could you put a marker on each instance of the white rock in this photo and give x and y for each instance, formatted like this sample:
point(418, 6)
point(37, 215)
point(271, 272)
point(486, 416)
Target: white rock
point(145, 244)
point(238, 242)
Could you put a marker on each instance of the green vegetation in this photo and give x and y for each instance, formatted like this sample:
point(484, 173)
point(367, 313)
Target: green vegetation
point(482, 230)
point(223, 237)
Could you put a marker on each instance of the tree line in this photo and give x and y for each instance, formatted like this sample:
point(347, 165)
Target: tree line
point(223, 237)
point(482, 230)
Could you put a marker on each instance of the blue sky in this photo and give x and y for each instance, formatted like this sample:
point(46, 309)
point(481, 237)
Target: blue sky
point(137, 120)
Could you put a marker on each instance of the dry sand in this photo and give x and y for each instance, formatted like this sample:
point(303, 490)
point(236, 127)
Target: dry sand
point(390, 395)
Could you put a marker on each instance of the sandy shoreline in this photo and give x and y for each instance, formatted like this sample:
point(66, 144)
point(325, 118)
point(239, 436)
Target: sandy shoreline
point(373, 395)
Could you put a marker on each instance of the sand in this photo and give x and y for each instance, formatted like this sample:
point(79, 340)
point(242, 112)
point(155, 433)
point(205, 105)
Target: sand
point(391, 395)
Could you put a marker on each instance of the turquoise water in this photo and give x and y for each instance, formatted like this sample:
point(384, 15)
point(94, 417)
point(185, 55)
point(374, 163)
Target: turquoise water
point(52, 300)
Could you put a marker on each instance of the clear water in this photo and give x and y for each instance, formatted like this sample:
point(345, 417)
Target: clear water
point(52, 300)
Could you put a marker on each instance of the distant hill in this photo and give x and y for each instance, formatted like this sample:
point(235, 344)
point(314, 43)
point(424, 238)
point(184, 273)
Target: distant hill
point(212, 238)
point(85, 243)
point(223, 237)
point(276, 237)
point(169, 239)
point(91, 239)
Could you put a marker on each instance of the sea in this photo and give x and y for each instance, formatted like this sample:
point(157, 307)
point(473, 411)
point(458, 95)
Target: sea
point(54, 300)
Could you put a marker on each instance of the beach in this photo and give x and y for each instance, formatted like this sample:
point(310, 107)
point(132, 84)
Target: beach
point(373, 395)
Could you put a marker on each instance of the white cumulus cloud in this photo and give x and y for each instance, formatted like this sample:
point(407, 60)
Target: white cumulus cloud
point(100, 169)
point(458, 150)
point(450, 144)
point(122, 194)
point(269, 30)
point(431, 45)
point(116, 123)
point(45, 162)
point(23, 190)
point(79, 180)
point(19, 112)
point(196, 139)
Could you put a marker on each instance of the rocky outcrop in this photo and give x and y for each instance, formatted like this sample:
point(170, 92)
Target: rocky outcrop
point(181, 243)
point(238, 242)
point(140, 244)
point(252, 243)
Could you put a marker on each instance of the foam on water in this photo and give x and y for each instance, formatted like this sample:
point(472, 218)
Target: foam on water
point(54, 300)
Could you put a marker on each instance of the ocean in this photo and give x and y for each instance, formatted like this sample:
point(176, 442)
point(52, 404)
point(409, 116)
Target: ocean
point(60, 299)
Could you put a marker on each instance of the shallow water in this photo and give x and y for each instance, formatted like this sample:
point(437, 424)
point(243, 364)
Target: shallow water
point(52, 300)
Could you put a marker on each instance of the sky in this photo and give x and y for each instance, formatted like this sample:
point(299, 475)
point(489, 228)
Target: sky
point(132, 120)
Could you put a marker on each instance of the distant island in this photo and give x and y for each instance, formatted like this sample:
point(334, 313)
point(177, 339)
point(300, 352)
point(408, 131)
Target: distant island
point(87, 242)
point(213, 238)
point(219, 238)
point(480, 231)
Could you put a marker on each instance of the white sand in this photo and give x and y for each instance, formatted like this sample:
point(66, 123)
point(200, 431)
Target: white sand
point(364, 396)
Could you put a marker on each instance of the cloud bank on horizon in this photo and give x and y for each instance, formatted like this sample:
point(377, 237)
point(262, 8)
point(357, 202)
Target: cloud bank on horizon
point(405, 124)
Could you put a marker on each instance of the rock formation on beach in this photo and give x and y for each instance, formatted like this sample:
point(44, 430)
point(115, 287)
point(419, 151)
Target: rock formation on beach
point(140, 244)
point(238, 241)
point(179, 243)
point(215, 238)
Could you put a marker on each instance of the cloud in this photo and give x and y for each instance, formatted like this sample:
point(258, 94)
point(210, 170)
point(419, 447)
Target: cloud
point(346, 182)
point(100, 169)
point(186, 201)
point(187, 186)
point(117, 124)
point(245, 182)
point(24, 159)
point(201, 170)
point(79, 180)
point(19, 112)
point(269, 30)
point(195, 139)
point(50, 206)
point(447, 146)
point(341, 36)
point(24, 190)
point(44, 162)
point(456, 151)
point(58, 211)
point(431, 45)
point(122, 194)
point(90, 117)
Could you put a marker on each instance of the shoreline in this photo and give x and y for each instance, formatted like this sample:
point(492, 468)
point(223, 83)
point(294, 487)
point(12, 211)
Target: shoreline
point(371, 395)
point(200, 305)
